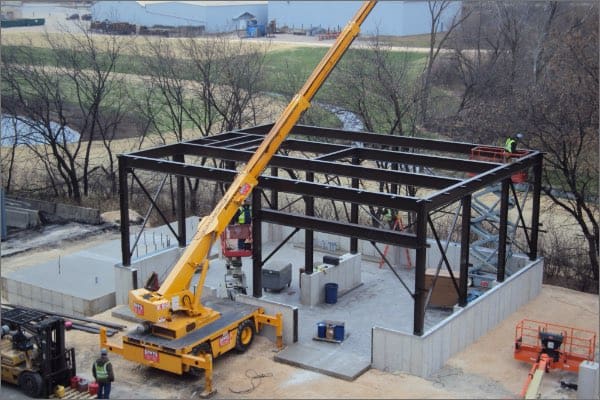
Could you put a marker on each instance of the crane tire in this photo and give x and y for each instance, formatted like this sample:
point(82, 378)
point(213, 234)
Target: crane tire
point(245, 335)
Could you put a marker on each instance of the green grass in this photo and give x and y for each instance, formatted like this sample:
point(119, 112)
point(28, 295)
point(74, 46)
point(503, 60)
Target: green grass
point(285, 71)
point(404, 41)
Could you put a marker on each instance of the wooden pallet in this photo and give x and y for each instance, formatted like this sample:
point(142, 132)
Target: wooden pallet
point(71, 393)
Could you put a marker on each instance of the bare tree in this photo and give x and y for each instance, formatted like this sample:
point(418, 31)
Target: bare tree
point(442, 26)
point(37, 97)
point(538, 74)
point(89, 62)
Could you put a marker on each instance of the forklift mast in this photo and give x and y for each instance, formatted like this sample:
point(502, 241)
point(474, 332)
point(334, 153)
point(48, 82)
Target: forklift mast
point(174, 307)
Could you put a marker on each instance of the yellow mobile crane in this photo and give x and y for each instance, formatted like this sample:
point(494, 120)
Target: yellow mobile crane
point(181, 334)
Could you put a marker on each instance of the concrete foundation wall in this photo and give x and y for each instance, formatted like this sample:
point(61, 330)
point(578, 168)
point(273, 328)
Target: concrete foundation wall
point(27, 295)
point(346, 275)
point(289, 313)
point(398, 351)
point(159, 262)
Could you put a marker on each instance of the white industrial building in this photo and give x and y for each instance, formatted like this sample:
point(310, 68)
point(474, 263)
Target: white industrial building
point(397, 18)
point(215, 16)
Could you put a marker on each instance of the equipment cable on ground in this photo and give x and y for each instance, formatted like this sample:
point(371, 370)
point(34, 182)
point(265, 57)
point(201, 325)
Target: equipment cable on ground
point(255, 380)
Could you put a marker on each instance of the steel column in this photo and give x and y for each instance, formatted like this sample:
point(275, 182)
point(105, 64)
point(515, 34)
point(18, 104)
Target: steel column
point(535, 207)
point(181, 228)
point(256, 243)
point(124, 206)
point(274, 192)
point(500, 272)
point(354, 209)
point(421, 258)
point(465, 235)
point(309, 233)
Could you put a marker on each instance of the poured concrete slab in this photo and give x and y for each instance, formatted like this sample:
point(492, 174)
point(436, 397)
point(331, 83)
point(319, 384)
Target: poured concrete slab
point(331, 359)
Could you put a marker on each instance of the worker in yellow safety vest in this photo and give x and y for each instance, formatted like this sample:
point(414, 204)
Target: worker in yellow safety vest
point(510, 145)
point(104, 375)
point(244, 216)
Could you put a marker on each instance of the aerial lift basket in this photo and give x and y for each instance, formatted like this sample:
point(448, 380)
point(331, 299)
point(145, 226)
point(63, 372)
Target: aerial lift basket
point(567, 346)
point(499, 155)
point(231, 237)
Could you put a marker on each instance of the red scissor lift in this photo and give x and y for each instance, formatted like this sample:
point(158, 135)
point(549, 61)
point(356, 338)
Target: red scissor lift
point(550, 346)
point(499, 155)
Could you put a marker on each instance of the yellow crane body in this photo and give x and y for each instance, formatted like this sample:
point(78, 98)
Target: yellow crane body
point(183, 333)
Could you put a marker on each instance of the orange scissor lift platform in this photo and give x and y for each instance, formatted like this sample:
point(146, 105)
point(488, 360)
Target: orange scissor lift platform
point(576, 345)
point(499, 155)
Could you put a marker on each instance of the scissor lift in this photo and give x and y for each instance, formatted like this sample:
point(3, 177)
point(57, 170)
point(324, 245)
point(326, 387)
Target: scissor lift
point(487, 215)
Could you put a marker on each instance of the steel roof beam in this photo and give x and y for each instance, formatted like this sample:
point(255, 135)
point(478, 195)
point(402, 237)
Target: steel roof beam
point(373, 138)
point(281, 184)
point(340, 228)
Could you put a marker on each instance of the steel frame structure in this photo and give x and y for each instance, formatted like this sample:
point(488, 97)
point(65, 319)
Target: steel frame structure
point(452, 177)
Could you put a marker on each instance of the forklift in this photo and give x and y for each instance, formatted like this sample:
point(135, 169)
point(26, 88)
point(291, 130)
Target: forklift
point(34, 355)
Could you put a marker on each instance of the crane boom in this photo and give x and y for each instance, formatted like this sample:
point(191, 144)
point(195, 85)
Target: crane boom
point(174, 298)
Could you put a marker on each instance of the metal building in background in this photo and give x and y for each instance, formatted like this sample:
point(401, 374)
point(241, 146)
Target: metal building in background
point(214, 16)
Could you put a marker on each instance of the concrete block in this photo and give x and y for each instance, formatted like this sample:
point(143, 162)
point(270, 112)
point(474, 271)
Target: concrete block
point(79, 214)
point(22, 218)
point(588, 380)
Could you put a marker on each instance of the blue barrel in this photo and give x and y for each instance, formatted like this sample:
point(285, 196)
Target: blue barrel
point(338, 332)
point(331, 293)
point(321, 328)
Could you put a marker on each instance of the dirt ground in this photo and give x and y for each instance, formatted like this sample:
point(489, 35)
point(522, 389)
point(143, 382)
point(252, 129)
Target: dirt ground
point(486, 369)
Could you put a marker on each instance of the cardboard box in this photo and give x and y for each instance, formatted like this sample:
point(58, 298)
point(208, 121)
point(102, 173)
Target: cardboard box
point(444, 294)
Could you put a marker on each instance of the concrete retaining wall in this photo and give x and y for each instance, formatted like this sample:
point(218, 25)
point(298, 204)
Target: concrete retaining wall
point(346, 275)
point(160, 263)
point(28, 295)
point(22, 218)
point(398, 351)
point(59, 210)
point(289, 313)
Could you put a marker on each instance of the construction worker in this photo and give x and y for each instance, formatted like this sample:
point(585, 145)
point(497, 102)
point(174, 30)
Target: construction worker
point(104, 375)
point(387, 217)
point(244, 216)
point(510, 145)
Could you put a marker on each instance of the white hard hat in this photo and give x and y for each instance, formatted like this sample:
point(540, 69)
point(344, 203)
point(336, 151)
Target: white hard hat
point(519, 135)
